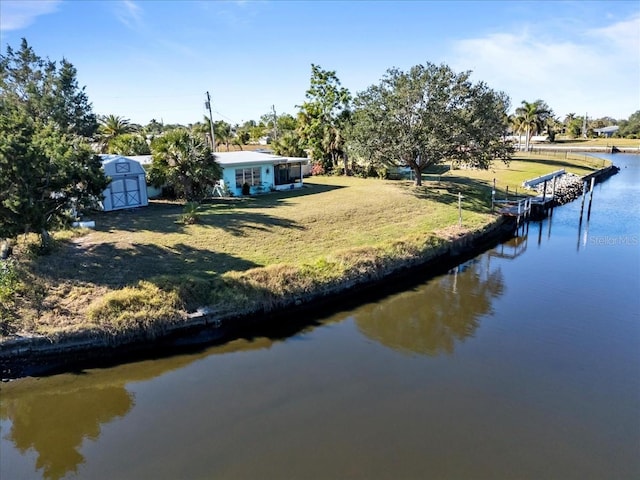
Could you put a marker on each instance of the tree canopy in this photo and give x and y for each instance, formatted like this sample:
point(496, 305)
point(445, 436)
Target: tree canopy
point(323, 116)
point(631, 127)
point(111, 127)
point(129, 144)
point(46, 163)
point(184, 161)
point(426, 116)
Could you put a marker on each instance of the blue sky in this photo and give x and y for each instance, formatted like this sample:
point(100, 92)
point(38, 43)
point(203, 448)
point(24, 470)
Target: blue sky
point(156, 59)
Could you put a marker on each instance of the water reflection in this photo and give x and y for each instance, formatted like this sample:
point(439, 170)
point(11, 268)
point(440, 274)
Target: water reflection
point(53, 416)
point(431, 319)
point(54, 422)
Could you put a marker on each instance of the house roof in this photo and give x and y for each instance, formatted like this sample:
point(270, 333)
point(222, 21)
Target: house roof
point(609, 129)
point(223, 158)
point(228, 159)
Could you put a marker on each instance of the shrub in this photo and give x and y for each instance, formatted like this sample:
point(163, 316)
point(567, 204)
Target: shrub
point(10, 286)
point(317, 169)
point(246, 189)
point(9, 280)
point(190, 213)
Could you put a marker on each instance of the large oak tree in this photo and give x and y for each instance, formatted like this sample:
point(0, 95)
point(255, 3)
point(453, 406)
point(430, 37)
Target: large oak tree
point(427, 116)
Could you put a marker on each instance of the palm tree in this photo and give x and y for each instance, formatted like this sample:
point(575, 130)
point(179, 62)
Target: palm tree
point(110, 127)
point(183, 160)
point(532, 118)
point(288, 145)
point(223, 133)
point(518, 126)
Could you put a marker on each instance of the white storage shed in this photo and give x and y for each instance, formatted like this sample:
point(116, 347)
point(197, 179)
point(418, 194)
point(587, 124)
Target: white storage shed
point(128, 187)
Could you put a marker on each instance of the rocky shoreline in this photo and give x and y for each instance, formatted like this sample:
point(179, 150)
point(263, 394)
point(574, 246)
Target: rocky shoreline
point(569, 187)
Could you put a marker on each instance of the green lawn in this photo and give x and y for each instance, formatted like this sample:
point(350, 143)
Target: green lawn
point(599, 142)
point(145, 264)
point(328, 214)
point(526, 166)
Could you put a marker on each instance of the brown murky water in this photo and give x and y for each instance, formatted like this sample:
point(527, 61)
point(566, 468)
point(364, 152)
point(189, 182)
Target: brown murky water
point(522, 363)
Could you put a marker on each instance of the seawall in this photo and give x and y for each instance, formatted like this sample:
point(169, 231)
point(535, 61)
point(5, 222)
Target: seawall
point(40, 355)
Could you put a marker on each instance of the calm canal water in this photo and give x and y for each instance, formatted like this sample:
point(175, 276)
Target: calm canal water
point(522, 363)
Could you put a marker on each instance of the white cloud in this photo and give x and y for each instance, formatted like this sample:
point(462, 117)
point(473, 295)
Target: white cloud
point(15, 15)
point(129, 13)
point(597, 73)
point(624, 35)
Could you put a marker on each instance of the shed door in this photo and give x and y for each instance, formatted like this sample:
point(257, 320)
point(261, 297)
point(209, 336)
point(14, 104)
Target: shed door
point(125, 192)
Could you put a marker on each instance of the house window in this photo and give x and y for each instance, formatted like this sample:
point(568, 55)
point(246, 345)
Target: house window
point(287, 173)
point(248, 175)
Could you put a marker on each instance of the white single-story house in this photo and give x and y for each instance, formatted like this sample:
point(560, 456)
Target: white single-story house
point(261, 171)
point(128, 187)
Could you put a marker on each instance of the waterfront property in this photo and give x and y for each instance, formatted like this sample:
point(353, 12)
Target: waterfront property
point(336, 226)
point(521, 362)
point(260, 172)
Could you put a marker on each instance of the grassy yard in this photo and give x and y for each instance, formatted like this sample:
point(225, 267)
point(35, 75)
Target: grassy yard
point(145, 266)
point(526, 166)
point(599, 142)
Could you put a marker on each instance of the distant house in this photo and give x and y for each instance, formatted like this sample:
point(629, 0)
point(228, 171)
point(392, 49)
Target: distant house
point(262, 172)
point(128, 186)
point(606, 131)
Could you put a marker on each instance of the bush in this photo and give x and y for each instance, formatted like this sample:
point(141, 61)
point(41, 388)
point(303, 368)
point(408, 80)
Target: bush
point(9, 280)
point(246, 189)
point(317, 169)
point(190, 213)
point(10, 286)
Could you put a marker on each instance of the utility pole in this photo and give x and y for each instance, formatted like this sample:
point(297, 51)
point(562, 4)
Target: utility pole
point(213, 135)
point(275, 123)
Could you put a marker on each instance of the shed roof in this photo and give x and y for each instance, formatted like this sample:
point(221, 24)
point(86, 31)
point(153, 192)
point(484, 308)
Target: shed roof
point(117, 164)
point(141, 159)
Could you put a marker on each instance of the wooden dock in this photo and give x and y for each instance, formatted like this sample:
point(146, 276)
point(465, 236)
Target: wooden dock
point(525, 208)
point(528, 207)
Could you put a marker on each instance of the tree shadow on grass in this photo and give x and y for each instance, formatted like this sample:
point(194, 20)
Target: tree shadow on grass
point(232, 216)
point(240, 222)
point(157, 217)
point(476, 194)
point(273, 199)
point(114, 266)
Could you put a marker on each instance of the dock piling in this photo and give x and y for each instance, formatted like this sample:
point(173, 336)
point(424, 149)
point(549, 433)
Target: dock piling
point(593, 182)
point(584, 194)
